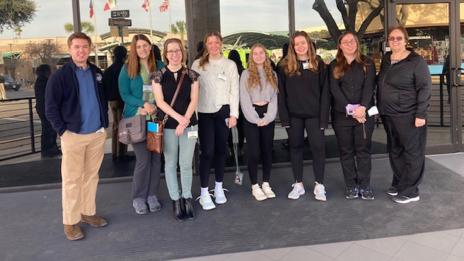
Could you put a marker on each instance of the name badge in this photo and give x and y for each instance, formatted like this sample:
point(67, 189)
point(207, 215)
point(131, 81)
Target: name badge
point(305, 66)
point(192, 134)
point(147, 88)
point(373, 111)
point(222, 76)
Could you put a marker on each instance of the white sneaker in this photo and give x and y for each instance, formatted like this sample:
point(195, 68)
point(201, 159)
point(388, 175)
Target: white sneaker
point(297, 191)
point(219, 196)
point(319, 192)
point(206, 202)
point(267, 190)
point(258, 193)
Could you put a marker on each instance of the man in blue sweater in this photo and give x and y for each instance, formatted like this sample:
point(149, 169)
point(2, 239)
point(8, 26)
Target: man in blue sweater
point(77, 109)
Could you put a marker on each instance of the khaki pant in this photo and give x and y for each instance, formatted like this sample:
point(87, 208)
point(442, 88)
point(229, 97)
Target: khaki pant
point(2, 92)
point(82, 157)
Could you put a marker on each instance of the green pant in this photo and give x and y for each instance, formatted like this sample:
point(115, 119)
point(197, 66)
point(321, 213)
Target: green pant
point(172, 145)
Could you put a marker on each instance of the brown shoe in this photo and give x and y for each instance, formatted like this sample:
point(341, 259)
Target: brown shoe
point(73, 232)
point(94, 221)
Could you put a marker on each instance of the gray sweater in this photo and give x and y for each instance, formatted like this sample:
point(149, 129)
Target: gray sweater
point(264, 92)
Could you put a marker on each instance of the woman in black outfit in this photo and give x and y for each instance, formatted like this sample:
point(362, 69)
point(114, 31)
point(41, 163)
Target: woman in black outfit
point(352, 83)
point(304, 104)
point(403, 98)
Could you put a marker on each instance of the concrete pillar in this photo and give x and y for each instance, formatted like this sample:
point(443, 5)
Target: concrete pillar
point(76, 16)
point(202, 16)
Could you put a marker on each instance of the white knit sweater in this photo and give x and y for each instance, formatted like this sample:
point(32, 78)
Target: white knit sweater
point(219, 85)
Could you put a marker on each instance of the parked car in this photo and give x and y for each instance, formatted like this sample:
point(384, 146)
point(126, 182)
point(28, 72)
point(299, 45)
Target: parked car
point(9, 82)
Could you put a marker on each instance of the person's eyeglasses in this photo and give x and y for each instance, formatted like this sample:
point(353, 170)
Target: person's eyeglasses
point(174, 51)
point(393, 38)
point(350, 42)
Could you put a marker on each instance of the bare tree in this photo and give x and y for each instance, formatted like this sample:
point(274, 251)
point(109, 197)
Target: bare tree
point(348, 9)
point(43, 51)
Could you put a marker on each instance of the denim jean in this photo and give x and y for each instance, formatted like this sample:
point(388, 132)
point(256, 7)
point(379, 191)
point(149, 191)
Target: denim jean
point(179, 150)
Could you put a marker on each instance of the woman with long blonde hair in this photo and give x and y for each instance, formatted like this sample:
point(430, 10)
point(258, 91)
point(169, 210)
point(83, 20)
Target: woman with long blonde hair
point(352, 84)
point(304, 105)
point(258, 100)
point(217, 113)
point(136, 92)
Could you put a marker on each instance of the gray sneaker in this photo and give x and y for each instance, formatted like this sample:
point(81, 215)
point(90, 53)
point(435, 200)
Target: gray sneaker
point(153, 203)
point(140, 206)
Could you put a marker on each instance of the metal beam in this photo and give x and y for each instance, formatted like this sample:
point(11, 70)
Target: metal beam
point(76, 16)
point(291, 17)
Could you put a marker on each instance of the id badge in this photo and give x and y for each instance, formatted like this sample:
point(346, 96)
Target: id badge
point(192, 134)
point(222, 76)
point(147, 88)
point(305, 66)
point(373, 111)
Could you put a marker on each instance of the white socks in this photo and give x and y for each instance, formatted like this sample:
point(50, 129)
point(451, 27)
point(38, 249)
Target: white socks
point(218, 186)
point(204, 191)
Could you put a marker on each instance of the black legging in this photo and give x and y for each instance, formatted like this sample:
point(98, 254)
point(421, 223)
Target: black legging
point(213, 133)
point(259, 143)
point(316, 141)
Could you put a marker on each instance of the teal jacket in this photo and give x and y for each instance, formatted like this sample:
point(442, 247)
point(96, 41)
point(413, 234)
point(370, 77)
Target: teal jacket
point(131, 91)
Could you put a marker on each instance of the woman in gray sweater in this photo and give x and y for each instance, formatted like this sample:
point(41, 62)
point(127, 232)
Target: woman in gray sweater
point(258, 100)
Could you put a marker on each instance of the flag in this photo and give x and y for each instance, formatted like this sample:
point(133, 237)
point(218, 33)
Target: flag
point(146, 5)
point(110, 4)
point(91, 12)
point(164, 6)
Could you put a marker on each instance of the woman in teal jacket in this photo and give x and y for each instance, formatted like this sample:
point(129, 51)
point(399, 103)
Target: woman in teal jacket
point(136, 92)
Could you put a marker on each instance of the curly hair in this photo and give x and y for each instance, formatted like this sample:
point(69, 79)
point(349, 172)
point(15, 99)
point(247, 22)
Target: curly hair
point(253, 74)
point(290, 64)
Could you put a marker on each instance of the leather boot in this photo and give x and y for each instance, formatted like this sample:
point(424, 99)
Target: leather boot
point(177, 210)
point(73, 232)
point(189, 209)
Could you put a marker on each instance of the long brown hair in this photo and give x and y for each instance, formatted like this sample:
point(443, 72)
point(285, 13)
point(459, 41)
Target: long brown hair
point(204, 59)
point(290, 63)
point(341, 64)
point(253, 74)
point(165, 49)
point(133, 63)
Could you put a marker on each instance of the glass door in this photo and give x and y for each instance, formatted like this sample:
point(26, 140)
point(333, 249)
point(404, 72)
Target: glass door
point(434, 33)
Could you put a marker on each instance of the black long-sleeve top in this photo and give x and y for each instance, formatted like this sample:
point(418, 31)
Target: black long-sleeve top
point(304, 95)
point(356, 86)
point(404, 87)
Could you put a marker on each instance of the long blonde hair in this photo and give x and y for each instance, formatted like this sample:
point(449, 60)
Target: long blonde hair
point(253, 74)
point(204, 59)
point(133, 62)
point(290, 64)
point(341, 64)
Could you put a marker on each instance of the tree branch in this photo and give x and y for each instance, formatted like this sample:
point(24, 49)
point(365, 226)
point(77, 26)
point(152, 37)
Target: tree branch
point(369, 19)
point(352, 12)
point(320, 7)
point(342, 8)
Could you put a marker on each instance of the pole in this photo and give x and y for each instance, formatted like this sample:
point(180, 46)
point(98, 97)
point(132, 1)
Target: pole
point(76, 16)
point(151, 20)
point(97, 63)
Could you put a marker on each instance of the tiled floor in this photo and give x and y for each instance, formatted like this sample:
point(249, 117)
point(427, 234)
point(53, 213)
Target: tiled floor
point(445, 245)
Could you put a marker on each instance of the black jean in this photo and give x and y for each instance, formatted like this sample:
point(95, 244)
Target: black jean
point(354, 144)
point(406, 149)
point(316, 141)
point(259, 142)
point(213, 133)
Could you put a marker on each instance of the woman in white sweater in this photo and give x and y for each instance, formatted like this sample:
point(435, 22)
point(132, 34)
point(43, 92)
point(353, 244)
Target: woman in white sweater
point(217, 112)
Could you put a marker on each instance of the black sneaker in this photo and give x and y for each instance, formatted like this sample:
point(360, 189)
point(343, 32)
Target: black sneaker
point(405, 199)
point(367, 193)
point(351, 193)
point(392, 191)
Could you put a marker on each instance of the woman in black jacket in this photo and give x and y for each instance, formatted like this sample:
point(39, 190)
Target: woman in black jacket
point(403, 98)
point(304, 104)
point(352, 83)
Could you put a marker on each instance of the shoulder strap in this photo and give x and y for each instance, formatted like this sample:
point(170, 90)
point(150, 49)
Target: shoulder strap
point(175, 94)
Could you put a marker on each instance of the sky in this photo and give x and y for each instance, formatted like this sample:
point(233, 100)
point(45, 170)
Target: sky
point(236, 16)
